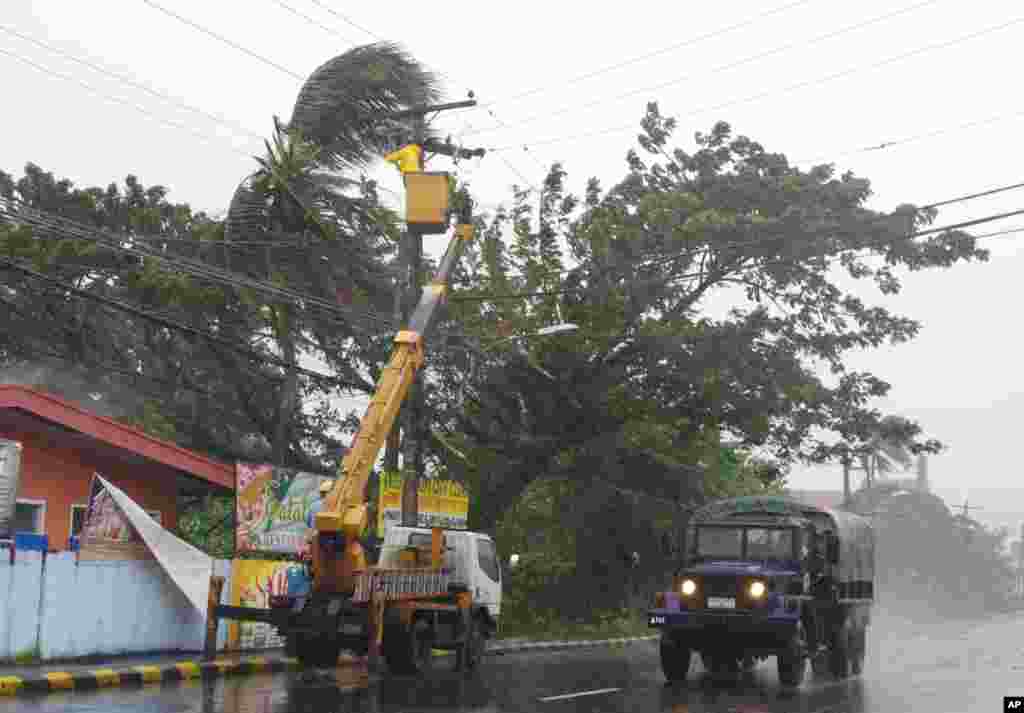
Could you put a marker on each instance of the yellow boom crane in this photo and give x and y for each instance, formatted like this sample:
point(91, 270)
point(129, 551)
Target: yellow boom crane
point(402, 607)
point(344, 514)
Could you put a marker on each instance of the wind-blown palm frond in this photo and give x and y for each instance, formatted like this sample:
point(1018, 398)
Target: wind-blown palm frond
point(340, 105)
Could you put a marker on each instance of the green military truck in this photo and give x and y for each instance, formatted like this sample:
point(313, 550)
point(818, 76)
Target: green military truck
point(769, 576)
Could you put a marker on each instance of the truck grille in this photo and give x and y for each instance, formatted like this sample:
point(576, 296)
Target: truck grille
point(720, 586)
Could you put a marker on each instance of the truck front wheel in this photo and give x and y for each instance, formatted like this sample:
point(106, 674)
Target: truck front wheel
point(791, 661)
point(839, 654)
point(317, 650)
point(675, 659)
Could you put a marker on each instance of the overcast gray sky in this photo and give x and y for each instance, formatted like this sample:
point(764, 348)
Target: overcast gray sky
point(774, 78)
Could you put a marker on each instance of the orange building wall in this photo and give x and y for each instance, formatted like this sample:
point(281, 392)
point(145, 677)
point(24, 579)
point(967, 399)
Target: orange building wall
point(61, 475)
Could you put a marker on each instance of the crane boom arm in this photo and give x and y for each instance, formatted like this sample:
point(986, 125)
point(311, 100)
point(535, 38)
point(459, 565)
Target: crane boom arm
point(344, 509)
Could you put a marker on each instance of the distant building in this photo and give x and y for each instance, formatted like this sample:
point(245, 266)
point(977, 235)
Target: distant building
point(63, 446)
point(818, 498)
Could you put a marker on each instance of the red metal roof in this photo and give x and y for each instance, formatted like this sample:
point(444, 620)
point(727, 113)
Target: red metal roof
point(119, 435)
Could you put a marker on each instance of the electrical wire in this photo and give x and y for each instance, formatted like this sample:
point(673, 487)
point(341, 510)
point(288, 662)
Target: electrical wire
point(919, 137)
point(674, 279)
point(224, 40)
point(346, 20)
point(689, 252)
point(26, 214)
point(793, 87)
point(131, 82)
point(314, 22)
point(166, 122)
point(655, 53)
point(573, 108)
point(172, 324)
point(878, 219)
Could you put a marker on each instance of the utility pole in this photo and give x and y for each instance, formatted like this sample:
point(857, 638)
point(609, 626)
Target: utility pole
point(412, 426)
point(413, 421)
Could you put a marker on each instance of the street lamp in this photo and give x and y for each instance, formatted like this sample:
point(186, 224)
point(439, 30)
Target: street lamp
point(554, 329)
point(542, 332)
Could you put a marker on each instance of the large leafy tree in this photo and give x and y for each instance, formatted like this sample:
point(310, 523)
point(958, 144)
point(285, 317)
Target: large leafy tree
point(653, 380)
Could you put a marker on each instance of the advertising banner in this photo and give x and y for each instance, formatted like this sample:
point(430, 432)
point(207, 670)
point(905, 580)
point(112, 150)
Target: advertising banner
point(116, 527)
point(253, 583)
point(273, 504)
point(442, 503)
point(107, 534)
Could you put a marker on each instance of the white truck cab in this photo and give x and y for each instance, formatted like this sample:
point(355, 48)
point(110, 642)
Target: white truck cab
point(471, 556)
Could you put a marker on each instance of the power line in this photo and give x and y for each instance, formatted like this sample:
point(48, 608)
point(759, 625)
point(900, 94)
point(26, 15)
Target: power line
point(655, 53)
point(948, 201)
point(920, 137)
point(127, 80)
point(313, 21)
point(731, 65)
point(171, 324)
point(783, 90)
point(346, 20)
point(676, 278)
point(972, 196)
point(225, 41)
point(198, 134)
point(26, 214)
point(661, 259)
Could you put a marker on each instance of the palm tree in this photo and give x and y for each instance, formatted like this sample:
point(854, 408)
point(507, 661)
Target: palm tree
point(887, 450)
point(305, 190)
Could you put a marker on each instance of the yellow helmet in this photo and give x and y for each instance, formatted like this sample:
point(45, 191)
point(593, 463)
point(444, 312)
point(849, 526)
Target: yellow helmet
point(325, 487)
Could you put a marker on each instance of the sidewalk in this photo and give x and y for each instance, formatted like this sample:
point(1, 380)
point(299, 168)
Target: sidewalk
point(140, 670)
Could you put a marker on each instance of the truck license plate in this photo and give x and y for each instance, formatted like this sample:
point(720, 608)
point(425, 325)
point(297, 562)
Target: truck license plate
point(721, 602)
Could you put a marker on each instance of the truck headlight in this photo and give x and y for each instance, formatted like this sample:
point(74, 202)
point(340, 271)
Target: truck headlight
point(757, 589)
point(689, 587)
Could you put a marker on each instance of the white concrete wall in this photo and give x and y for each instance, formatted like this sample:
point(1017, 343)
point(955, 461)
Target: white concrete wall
point(65, 609)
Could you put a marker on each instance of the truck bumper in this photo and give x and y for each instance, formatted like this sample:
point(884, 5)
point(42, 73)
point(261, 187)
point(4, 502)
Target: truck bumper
point(703, 630)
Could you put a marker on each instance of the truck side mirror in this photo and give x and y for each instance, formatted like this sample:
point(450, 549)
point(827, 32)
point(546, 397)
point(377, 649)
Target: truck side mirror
point(832, 549)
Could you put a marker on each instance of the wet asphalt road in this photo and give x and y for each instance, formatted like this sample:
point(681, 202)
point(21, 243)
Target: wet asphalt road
point(953, 668)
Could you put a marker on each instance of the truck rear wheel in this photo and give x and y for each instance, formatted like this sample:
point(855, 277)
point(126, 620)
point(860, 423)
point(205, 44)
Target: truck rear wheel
point(675, 660)
point(408, 650)
point(859, 649)
point(468, 656)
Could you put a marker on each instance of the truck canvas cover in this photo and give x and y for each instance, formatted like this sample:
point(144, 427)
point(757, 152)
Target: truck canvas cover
point(856, 539)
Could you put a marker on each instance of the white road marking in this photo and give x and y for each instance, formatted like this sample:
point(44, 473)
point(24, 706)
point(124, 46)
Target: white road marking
point(565, 696)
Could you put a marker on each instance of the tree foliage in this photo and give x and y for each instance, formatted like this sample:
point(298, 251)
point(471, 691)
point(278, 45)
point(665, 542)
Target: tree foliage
point(653, 380)
point(296, 222)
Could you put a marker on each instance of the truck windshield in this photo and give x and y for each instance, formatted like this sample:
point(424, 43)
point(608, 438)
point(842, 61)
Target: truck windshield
point(760, 543)
point(723, 542)
point(765, 544)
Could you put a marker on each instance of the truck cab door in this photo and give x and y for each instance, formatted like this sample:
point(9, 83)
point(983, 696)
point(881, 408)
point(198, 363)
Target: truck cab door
point(486, 584)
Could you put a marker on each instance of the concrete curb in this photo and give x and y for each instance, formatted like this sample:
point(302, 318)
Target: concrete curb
point(138, 676)
point(498, 649)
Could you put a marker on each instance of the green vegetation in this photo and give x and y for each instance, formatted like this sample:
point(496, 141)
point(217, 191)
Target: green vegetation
point(703, 284)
